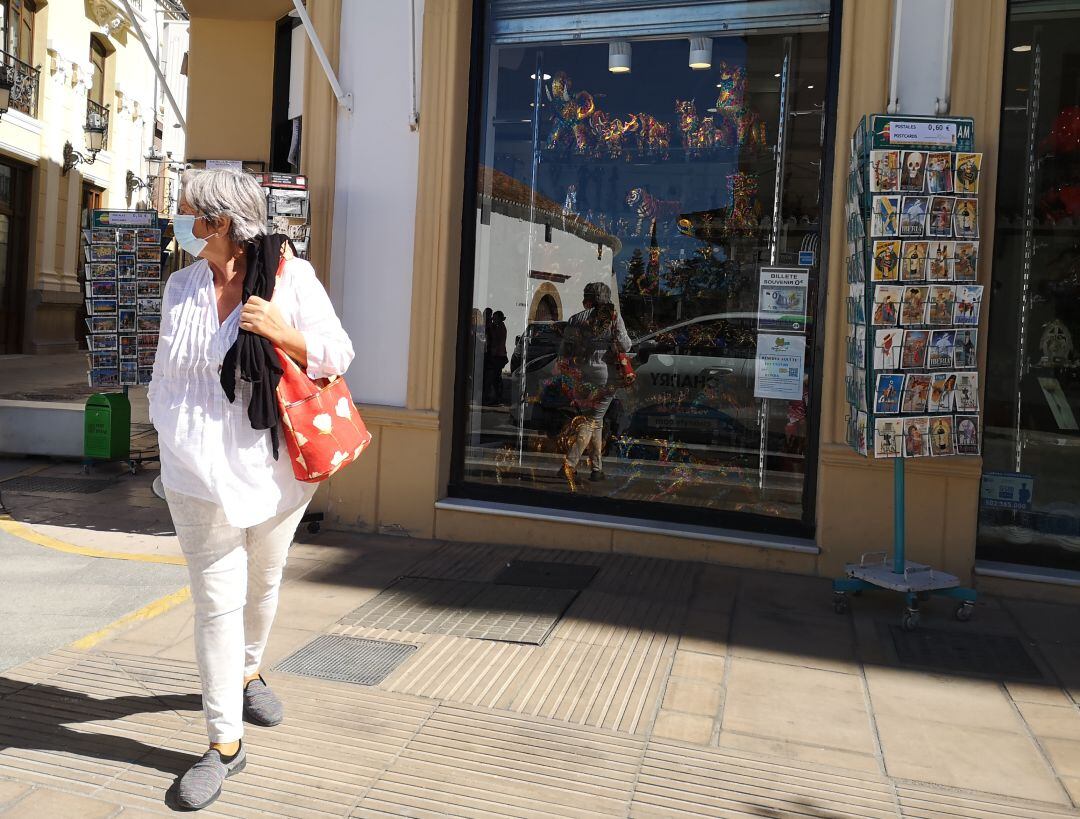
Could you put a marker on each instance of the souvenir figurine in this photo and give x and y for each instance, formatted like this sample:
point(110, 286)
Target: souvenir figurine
point(699, 135)
point(1056, 344)
point(571, 119)
point(738, 125)
point(648, 206)
point(569, 207)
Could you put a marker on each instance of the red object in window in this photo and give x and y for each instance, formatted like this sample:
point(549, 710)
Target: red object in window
point(1064, 137)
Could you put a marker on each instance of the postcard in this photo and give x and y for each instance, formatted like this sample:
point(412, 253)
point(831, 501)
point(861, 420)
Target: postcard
point(964, 349)
point(913, 171)
point(968, 303)
point(966, 395)
point(887, 347)
point(966, 219)
point(966, 261)
point(146, 357)
point(942, 390)
point(103, 236)
point(148, 341)
point(916, 432)
point(102, 288)
point(101, 341)
point(146, 375)
point(941, 435)
point(129, 373)
point(885, 216)
point(102, 253)
point(940, 310)
point(128, 346)
point(127, 322)
point(125, 263)
point(884, 171)
point(102, 307)
point(887, 393)
point(102, 270)
point(104, 358)
point(915, 344)
point(913, 310)
point(147, 271)
point(148, 254)
point(149, 324)
point(128, 294)
point(939, 221)
point(149, 289)
point(149, 306)
point(125, 241)
point(967, 173)
point(886, 261)
point(860, 432)
point(87, 236)
point(860, 346)
point(939, 355)
point(887, 437)
point(887, 304)
point(149, 237)
point(939, 172)
point(913, 261)
point(101, 324)
point(104, 377)
point(913, 215)
point(967, 434)
point(916, 393)
point(939, 266)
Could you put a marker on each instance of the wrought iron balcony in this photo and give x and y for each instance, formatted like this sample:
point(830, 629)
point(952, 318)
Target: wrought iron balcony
point(24, 80)
point(97, 116)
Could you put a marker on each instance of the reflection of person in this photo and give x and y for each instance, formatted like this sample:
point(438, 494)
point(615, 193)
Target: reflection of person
point(591, 341)
point(495, 358)
point(479, 331)
point(234, 502)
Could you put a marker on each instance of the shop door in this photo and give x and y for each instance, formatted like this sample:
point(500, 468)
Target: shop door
point(14, 243)
point(91, 200)
point(661, 154)
point(1030, 500)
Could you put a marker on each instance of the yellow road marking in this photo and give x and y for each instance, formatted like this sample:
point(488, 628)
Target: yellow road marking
point(21, 530)
point(159, 606)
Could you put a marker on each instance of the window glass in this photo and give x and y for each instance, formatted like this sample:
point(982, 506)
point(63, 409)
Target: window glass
point(629, 213)
point(1030, 500)
point(97, 82)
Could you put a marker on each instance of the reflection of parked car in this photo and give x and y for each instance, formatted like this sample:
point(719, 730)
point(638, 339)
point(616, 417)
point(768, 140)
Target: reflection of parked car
point(544, 338)
point(695, 383)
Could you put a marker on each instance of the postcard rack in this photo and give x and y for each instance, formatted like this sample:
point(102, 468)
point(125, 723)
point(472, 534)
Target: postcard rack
point(913, 314)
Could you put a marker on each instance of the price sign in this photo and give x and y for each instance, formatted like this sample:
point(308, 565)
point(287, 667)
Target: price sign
point(922, 133)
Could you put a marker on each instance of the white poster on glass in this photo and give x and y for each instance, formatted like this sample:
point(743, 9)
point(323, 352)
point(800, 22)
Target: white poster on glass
point(778, 369)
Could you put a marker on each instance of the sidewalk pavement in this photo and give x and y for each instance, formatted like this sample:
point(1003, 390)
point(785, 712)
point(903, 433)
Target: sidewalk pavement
point(665, 689)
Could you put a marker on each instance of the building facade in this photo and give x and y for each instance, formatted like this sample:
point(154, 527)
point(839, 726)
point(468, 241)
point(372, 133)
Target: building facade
point(74, 64)
point(491, 157)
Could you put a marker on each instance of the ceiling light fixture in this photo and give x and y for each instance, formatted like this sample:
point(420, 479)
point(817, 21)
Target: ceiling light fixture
point(618, 59)
point(546, 77)
point(700, 53)
point(1020, 49)
point(777, 75)
point(810, 87)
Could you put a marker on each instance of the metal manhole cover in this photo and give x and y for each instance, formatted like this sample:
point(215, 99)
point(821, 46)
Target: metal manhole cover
point(544, 575)
point(73, 486)
point(347, 659)
point(461, 608)
point(964, 652)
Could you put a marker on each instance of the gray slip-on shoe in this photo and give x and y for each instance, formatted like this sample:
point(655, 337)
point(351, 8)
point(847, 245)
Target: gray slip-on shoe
point(201, 785)
point(261, 705)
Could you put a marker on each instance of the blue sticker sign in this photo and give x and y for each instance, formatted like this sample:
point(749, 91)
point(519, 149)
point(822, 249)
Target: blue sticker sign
point(1006, 490)
point(806, 258)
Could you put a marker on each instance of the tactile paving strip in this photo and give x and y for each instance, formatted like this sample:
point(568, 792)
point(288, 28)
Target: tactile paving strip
point(73, 486)
point(460, 608)
point(347, 659)
point(964, 652)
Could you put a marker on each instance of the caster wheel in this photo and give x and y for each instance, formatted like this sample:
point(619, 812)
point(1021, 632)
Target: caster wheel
point(86, 469)
point(840, 603)
point(910, 620)
point(314, 528)
point(964, 611)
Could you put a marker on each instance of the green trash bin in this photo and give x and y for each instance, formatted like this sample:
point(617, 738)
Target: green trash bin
point(107, 430)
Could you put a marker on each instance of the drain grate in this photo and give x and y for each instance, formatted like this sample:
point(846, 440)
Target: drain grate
point(539, 574)
point(461, 608)
point(59, 486)
point(347, 659)
point(964, 652)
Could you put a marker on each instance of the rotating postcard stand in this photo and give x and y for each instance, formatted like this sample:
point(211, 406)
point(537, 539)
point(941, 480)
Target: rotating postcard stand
point(913, 314)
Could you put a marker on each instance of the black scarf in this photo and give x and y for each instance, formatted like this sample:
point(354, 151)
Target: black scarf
point(259, 364)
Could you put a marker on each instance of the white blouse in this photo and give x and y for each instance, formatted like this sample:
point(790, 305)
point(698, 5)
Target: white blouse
point(208, 448)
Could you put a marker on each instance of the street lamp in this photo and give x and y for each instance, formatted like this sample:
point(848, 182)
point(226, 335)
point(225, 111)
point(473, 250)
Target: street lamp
point(94, 132)
point(6, 85)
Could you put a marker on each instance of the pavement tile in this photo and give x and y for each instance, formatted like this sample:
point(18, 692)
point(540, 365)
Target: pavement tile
point(683, 727)
point(10, 790)
point(817, 754)
point(784, 636)
point(45, 802)
point(693, 697)
point(1064, 754)
point(1058, 722)
point(792, 703)
point(1043, 694)
point(695, 666)
point(940, 698)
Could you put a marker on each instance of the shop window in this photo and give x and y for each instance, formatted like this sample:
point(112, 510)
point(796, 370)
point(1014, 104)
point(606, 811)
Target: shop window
point(98, 55)
point(1030, 500)
point(662, 154)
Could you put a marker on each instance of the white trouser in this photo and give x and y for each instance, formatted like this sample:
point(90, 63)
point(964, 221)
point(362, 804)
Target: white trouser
point(235, 577)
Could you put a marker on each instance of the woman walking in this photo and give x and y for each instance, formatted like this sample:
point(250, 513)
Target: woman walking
point(235, 504)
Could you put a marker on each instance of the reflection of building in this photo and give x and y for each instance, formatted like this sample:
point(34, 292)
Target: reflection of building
point(387, 230)
point(517, 231)
point(74, 63)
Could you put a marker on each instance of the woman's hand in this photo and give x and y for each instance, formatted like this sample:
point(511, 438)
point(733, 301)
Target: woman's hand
point(263, 318)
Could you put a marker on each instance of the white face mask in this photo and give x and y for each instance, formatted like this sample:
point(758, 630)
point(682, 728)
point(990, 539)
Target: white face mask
point(183, 229)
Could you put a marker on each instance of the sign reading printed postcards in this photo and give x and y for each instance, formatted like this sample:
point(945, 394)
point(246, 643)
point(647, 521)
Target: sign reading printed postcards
point(122, 262)
point(914, 301)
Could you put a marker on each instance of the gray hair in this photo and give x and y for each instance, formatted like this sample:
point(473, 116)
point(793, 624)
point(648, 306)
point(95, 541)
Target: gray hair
point(221, 193)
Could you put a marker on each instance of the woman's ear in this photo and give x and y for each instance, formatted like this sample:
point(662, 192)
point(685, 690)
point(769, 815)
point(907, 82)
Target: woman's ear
point(286, 251)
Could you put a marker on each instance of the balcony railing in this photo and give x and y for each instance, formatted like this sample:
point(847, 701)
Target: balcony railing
point(97, 116)
point(24, 83)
